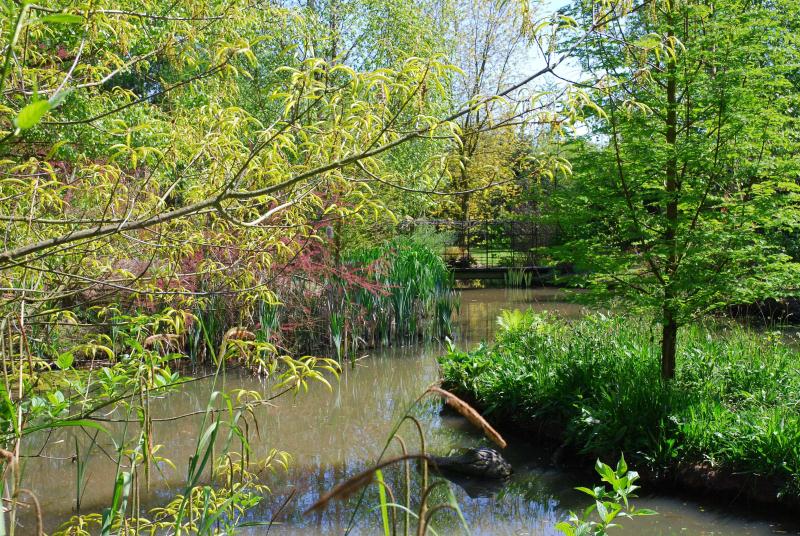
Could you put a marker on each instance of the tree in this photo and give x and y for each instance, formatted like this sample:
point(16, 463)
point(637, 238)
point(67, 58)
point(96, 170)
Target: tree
point(690, 166)
point(490, 47)
point(111, 189)
point(163, 155)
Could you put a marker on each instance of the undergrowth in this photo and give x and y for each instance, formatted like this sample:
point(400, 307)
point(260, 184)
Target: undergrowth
point(735, 404)
point(398, 292)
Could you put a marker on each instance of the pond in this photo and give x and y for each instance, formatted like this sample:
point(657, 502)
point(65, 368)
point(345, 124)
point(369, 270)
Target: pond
point(333, 435)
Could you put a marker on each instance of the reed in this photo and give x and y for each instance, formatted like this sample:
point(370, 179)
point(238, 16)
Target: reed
point(414, 299)
point(518, 277)
point(469, 413)
point(129, 369)
point(423, 508)
point(397, 293)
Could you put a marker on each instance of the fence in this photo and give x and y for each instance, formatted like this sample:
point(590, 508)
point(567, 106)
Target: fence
point(492, 243)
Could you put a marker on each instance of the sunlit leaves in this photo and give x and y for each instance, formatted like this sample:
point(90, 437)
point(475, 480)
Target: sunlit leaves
point(62, 18)
point(299, 372)
point(31, 114)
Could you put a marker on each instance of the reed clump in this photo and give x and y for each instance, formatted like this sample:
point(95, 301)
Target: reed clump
point(396, 293)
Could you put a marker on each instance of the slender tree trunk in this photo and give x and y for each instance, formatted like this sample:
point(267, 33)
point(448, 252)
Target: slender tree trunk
point(669, 339)
point(672, 188)
point(465, 207)
point(463, 185)
point(465, 219)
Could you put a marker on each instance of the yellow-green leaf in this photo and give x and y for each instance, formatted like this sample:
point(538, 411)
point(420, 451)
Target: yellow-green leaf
point(31, 114)
point(62, 18)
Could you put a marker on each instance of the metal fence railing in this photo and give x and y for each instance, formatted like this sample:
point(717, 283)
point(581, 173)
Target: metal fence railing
point(486, 243)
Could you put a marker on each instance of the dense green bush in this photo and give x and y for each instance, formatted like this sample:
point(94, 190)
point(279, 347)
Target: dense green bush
point(735, 403)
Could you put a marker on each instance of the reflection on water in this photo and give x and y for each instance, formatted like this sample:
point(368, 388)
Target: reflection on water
point(333, 435)
point(477, 319)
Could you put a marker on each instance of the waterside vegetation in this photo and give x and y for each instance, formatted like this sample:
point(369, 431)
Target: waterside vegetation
point(728, 422)
point(395, 293)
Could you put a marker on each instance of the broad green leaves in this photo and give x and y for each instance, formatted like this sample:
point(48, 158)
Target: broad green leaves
point(65, 360)
point(609, 505)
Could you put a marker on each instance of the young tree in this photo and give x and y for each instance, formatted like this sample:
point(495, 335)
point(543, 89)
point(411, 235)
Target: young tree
point(691, 168)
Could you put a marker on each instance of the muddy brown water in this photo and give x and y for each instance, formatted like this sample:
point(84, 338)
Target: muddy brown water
point(335, 434)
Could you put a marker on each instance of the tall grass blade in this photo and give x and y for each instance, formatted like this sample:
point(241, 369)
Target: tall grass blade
point(382, 498)
point(119, 502)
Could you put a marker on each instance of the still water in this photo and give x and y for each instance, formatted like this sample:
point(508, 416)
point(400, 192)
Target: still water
point(332, 435)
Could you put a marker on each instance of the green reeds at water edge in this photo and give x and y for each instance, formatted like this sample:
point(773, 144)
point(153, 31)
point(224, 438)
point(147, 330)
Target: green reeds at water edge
point(733, 407)
point(518, 277)
point(418, 300)
point(400, 292)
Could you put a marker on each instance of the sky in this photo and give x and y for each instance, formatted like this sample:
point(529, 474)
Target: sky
point(569, 69)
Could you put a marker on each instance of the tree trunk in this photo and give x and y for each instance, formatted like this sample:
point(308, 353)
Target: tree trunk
point(465, 228)
point(672, 190)
point(465, 207)
point(464, 202)
point(669, 339)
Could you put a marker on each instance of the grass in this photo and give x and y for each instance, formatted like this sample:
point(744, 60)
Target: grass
point(735, 404)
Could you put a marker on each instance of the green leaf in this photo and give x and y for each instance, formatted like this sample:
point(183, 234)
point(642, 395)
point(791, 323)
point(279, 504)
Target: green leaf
point(622, 467)
point(31, 114)
point(64, 361)
point(565, 528)
point(62, 18)
point(119, 502)
point(85, 423)
point(56, 100)
point(602, 511)
point(382, 496)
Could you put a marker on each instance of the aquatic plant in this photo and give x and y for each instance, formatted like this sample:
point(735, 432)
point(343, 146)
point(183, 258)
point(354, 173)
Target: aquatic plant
point(418, 300)
point(128, 369)
point(418, 512)
point(608, 505)
point(733, 407)
point(407, 513)
point(400, 292)
point(518, 277)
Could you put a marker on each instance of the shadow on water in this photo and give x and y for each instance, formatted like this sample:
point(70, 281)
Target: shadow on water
point(334, 435)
